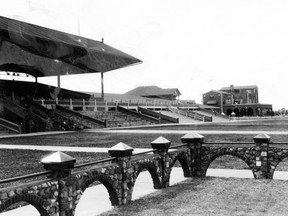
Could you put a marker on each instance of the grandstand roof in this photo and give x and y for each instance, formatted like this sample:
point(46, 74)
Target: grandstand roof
point(32, 40)
point(153, 91)
point(37, 90)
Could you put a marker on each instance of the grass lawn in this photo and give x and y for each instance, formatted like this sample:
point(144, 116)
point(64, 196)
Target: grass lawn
point(21, 162)
point(107, 140)
point(207, 196)
point(251, 125)
point(212, 196)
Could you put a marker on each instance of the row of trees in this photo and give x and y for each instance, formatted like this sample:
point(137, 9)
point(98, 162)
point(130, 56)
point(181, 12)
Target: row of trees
point(282, 111)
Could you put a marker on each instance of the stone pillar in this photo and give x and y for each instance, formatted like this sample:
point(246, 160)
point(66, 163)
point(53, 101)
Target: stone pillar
point(123, 153)
point(194, 143)
point(61, 166)
point(261, 170)
point(161, 146)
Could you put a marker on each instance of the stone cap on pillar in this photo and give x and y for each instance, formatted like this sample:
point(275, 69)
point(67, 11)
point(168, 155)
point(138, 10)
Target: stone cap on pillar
point(58, 161)
point(120, 150)
point(192, 138)
point(262, 138)
point(160, 143)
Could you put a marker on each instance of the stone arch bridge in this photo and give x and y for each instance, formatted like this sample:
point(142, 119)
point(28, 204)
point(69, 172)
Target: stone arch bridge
point(60, 192)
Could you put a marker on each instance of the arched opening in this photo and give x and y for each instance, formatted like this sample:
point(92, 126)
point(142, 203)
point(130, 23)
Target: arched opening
point(228, 112)
point(236, 111)
point(179, 172)
point(143, 185)
point(24, 205)
point(243, 112)
point(98, 196)
point(93, 201)
point(250, 112)
point(229, 166)
point(23, 209)
point(281, 170)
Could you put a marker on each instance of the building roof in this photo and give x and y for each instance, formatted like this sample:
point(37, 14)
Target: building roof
point(153, 91)
point(239, 87)
point(30, 40)
point(218, 91)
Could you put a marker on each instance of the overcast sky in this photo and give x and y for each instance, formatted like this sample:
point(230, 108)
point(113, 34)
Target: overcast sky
point(192, 45)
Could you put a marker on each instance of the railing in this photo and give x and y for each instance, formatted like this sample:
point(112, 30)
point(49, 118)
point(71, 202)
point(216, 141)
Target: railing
point(10, 126)
point(111, 159)
point(26, 115)
point(138, 114)
point(162, 118)
point(197, 116)
point(45, 173)
point(98, 104)
point(214, 113)
point(178, 111)
point(18, 110)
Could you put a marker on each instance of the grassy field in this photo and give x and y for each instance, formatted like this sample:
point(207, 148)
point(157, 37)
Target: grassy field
point(208, 196)
point(212, 196)
point(249, 125)
point(11, 165)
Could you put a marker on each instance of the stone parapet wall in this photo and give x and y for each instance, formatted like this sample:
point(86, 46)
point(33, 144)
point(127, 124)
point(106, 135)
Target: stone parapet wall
point(43, 195)
point(61, 194)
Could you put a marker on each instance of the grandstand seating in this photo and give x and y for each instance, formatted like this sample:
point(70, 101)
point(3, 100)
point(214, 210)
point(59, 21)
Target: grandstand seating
point(117, 118)
point(78, 120)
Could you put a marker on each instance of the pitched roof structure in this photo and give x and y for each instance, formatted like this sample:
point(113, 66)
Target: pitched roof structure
point(238, 87)
point(218, 91)
point(153, 91)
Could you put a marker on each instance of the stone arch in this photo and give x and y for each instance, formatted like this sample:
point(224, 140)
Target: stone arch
point(152, 169)
point(184, 161)
point(32, 199)
point(231, 153)
point(107, 181)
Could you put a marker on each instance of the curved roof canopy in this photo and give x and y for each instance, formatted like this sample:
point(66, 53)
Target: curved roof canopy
point(27, 40)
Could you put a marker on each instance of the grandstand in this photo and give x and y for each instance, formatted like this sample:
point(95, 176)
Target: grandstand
point(36, 51)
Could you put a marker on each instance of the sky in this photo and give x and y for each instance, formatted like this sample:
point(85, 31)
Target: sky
point(192, 45)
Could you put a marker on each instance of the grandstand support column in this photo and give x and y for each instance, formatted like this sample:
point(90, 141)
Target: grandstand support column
point(95, 105)
point(106, 106)
point(71, 104)
point(84, 105)
point(221, 103)
point(59, 85)
point(102, 85)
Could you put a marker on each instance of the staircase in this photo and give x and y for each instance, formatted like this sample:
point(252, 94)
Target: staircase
point(78, 120)
point(183, 118)
point(7, 127)
point(216, 117)
point(24, 116)
point(117, 118)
